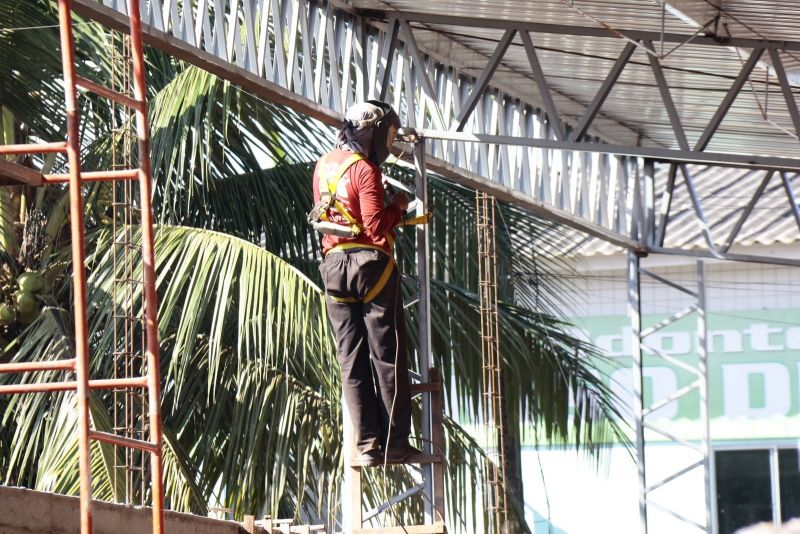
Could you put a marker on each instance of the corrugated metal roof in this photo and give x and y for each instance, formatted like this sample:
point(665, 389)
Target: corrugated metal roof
point(698, 76)
point(575, 66)
point(723, 193)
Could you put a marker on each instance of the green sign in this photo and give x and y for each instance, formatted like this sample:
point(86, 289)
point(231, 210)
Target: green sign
point(753, 369)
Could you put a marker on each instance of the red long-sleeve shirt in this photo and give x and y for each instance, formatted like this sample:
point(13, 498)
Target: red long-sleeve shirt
point(361, 191)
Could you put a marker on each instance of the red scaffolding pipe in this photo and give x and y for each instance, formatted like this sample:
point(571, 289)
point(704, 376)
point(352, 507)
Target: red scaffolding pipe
point(78, 272)
point(80, 364)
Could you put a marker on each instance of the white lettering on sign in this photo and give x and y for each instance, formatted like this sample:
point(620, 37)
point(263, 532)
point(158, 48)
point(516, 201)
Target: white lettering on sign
point(731, 341)
point(738, 398)
point(660, 382)
point(793, 337)
point(760, 337)
point(670, 342)
point(616, 345)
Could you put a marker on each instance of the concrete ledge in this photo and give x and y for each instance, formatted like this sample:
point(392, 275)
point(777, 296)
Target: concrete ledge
point(24, 511)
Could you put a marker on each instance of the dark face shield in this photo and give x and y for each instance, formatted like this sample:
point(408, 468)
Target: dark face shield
point(369, 129)
point(383, 134)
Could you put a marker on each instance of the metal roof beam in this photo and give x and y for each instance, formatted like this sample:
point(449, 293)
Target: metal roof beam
point(483, 80)
point(786, 89)
point(603, 92)
point(586, 31)
point(658, 154)
point(666, 205)
point(747, 211)
point(544, 88)
point(427, 86)
point(666, 96)
point(727, 102)
point(698, 210)
point(387, 60)
point(792, 199)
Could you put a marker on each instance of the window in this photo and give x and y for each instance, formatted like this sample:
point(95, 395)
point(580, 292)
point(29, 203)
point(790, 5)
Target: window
point(756, 485)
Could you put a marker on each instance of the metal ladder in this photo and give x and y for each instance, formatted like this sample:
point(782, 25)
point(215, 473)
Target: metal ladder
point(79, 364)
point(429, 386)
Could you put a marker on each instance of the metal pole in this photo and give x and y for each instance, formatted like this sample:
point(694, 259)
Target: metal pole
point(148, 267)
point(424, 319)
point(635, 316)
point(702, 368)
point(78, 268)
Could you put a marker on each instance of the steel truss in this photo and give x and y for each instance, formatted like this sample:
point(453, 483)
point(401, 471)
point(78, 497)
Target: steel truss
point(644, 426)
point(324, 57)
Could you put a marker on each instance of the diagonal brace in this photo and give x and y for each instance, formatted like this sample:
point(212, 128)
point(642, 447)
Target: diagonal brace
point(746, 213)
point(727, 102)
point(792, 199)
point(389, 45)
point(544, 89)
point(427, 86)
point(483, 79)
point(603, 92)
point(666, 97)
point(791, 103)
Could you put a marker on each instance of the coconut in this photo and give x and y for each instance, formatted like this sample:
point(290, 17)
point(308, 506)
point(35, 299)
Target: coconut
point(8, 313)
point(26, 302)
point(32, 282)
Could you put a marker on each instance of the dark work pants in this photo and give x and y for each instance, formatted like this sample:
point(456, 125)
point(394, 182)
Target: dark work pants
point(364, 329)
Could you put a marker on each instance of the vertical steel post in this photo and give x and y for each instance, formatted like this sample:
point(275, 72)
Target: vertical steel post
point(649, 200)
point(424, 319)
point(635, 316)
point(148, 267)
point(702, 369)
point(78, 268)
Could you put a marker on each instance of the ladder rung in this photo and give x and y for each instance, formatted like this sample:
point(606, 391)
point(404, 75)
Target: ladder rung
point(95, 176)
point(426, 387)
point(26, 367)
point(119, 383)
point(33, 148)
point(423, 458)
point(122, 441)
point(44, 387)
point(109, 93)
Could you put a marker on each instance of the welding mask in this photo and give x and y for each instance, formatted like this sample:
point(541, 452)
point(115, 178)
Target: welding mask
point(367, 129)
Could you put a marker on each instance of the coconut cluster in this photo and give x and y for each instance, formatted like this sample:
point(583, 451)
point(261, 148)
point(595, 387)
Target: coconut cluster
point(25, 305)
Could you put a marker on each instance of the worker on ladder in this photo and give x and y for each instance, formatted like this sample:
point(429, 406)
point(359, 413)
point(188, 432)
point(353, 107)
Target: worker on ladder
point(362, 281)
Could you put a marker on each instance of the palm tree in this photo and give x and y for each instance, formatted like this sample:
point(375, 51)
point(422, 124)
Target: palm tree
point(251, 405)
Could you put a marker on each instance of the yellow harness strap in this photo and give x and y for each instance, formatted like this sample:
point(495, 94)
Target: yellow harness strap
point(330, 180)
point(376, 289)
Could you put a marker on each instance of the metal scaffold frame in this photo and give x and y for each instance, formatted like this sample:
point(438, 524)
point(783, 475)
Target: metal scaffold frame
point(150, 380)
point(428, 385)
point(699, 370)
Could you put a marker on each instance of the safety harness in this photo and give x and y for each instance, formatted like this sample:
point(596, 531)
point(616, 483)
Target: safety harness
point(318, 217)
point(328, 182)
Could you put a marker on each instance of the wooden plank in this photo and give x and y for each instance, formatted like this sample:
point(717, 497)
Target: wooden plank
point(356, 512)
point(436, 528)
point(14, 174)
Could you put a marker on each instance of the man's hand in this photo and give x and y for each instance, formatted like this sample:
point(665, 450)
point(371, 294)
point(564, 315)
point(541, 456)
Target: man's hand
point(400, 200)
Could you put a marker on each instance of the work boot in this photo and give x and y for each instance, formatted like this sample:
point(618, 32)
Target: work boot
point(371, 458)
point(401, 453)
